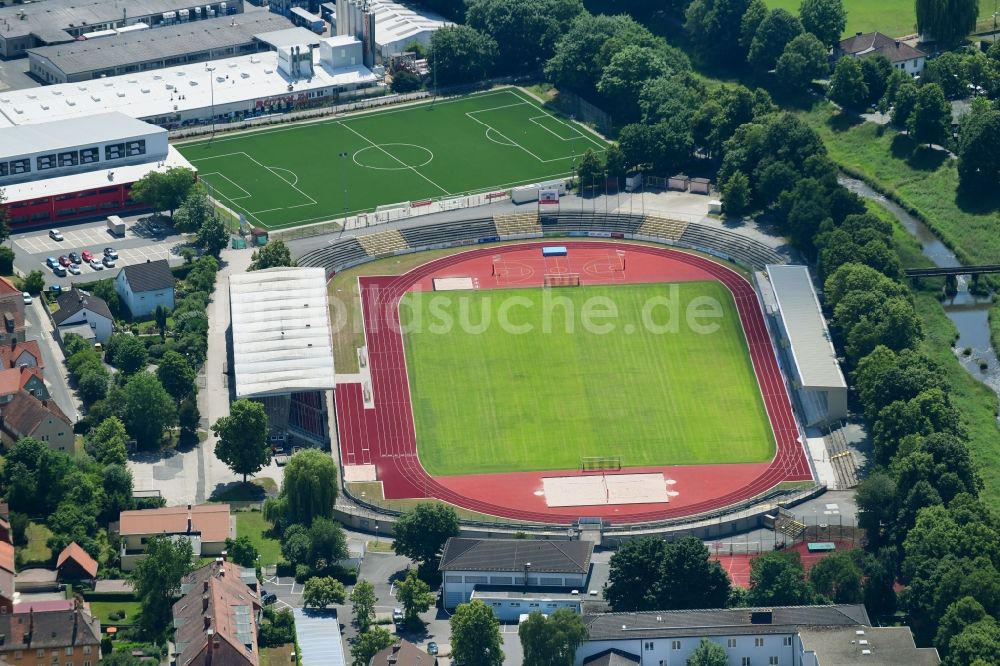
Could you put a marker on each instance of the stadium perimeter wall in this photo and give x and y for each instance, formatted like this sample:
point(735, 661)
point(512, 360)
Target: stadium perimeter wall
point(729, 246)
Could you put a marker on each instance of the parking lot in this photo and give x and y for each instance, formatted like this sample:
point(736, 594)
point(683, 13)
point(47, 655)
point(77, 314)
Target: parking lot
point(139, 245)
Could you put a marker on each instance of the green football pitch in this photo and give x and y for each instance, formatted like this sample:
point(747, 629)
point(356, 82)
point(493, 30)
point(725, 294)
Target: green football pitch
point(496, 400)
point(311, 172)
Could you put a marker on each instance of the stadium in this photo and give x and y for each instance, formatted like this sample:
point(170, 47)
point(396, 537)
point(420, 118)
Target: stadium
point(540, 418)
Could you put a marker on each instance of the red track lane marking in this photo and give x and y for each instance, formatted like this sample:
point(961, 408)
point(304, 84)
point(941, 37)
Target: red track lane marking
point(384, 436)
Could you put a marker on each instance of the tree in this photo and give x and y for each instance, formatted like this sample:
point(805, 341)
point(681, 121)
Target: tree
point(278, 628)
point(590, 171)
point(552, 640)
point(310, 487)
point(421, 532)
point(327, 543)
point(195, 210)
point(978, 643)
point(773, 34)
point(930, 121)
point(755, 14)
point(188, 418)
point(633, 581)
point(475, 635)
point(275, 253)
point(212, 236)
point(736, 195)
point(777, 579)
point(526, 31)
point(296, 545)
point(363, 602)
point(614, 162)
point(105, 290)
point(6, 260)
point(824, 18)
point(106, 443)
point(322, 591)
point(126, 352)
point(34, 282)
point(414, 595)
point(956, 618)
point(947, 21)
point(876, 71)
point(148, 410)
point(838, 578)
point(164, 190)
point(847, 85)
point(156, 580)
point(160, 317)
point(979, 153)
point(116, 481)
point(242, 437)
point(242, 551)
point(803, 60)
point(708, 653)
point(176, 375)
point(368, 644)
point(714, 26)
point(461, 54)
point(624, 78)
point(404, 81)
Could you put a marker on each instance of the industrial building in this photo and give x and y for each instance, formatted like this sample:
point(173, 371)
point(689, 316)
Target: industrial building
point(230, 89)
point(385, 28)
point(281, 350)
point(28, 26)
point(189, 42)
point(78, 168)
point(815, 373)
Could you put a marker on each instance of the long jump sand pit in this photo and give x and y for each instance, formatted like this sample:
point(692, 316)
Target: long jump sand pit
point(601, 489)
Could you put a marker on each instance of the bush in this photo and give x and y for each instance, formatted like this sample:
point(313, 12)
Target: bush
point(303, 572)
point(6, 260)
point(404, 81)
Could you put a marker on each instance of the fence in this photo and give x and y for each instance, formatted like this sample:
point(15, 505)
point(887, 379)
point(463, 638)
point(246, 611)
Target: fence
point(815, 529)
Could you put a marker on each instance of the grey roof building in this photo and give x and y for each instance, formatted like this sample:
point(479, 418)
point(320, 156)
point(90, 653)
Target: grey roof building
point(193, 41)
point(59, 21)
point(539, 556)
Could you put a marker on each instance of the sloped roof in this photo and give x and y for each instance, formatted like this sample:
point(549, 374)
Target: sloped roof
point(403, 653)
point(212, 521)
point(6, 556)
point(7, 287)
point(25, 412)
point(10, 381)
point(74, 553)
point(9, 353)
point(50, 629)
point(612, 657)
point(875, 43)
point(74, 300)
point(461, 554)
point(150, 276)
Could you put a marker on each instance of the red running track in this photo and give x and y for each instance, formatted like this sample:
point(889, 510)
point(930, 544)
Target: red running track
point(384, 436)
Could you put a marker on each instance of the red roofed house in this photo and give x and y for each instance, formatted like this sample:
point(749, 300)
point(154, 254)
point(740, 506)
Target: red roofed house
point(17, 353)
point(6, 577)
point(75, 564)
point(11, 312)
point(207, 526)
point(26, 416)
point(13, 380)
point(216, 619)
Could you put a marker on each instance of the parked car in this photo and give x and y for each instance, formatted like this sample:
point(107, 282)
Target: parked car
point(96, 265)
point(27, 298)
point(88, 256)
point(109, 262)
point(74, 269)
point(51, 262)
point(59, 271)
point(270, 598)
point(55, 289)
point(432, 648)
point(64, 261)
point(111, 252)
point(397, 615)
point(55, 235)
point(74, 257)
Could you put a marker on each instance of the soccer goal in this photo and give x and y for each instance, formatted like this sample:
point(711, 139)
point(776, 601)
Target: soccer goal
point(562, 280)
point(600, 463)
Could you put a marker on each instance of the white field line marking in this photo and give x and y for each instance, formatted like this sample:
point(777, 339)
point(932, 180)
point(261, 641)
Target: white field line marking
point(271, 171)
point(534, 119)
point(413, 169)
point(246, 195)
point(602, 146)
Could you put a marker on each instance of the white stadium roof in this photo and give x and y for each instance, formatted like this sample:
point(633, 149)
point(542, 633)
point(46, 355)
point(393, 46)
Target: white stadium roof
point(69, 132)
point(811, 348)
point(281, 331)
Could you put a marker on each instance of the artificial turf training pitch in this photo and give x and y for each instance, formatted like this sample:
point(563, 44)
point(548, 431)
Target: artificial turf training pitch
point(298, 174)
point(499, 401)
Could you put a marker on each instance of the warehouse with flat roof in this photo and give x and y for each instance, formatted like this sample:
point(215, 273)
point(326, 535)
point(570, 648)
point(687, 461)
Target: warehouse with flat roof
point(192, 41)
point(24, 27)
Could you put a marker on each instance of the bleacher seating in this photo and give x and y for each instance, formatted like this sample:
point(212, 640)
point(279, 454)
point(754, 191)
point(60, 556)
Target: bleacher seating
point(742, 249)
point(662, 227)
point(517, 223)
point(447, 232)
point(383, 242)
point(340, 253)
point(845, 465)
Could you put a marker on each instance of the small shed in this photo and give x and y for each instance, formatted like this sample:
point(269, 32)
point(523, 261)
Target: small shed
point(75, 564)
point(678, 183)
point(700, 186)
point(633, 181)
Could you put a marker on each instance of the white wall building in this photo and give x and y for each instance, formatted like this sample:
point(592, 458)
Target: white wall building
point(510, 603)
point(80, 312)
point(144, 287)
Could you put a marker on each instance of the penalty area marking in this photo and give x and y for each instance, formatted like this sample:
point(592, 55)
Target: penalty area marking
point(246, 195)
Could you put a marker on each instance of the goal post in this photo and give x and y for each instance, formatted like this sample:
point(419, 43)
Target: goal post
point(600, 463)
point(561, 280)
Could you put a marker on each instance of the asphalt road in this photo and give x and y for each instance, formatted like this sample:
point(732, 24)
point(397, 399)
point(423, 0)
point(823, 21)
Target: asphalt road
point(39, 328)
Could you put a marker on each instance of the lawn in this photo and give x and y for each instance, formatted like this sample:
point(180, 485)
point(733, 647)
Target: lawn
point(37, 550)
point(253, 525)
point(492, 400)
point(310, 172)
point(102, 610)
point(896, 18)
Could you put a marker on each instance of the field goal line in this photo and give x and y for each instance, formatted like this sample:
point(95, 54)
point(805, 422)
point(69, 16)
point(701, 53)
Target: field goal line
point(246, 195)
point(600, 463)
point(579, 134)
point(472, 116)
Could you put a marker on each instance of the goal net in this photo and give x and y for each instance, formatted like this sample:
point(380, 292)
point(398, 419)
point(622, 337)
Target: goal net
point(562, 280)
point(600, 463)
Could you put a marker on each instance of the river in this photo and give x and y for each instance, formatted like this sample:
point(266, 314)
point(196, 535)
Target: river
point(969, 313)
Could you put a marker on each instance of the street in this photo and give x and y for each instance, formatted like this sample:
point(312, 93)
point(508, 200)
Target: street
point(38, 328)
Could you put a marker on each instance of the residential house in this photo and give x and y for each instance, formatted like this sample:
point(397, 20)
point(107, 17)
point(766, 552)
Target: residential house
point(403, 653)
point(84, 314)
point(16, 354)
point(24, 415)
point(6, 577)
point(74, 563)
point(65, 637)
point(467, 564)
point(901, 55)
point(29, 379)
point(11, 312)
point(207, 526)
point(142, 287)
point(787, 635)
point(216, 619)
